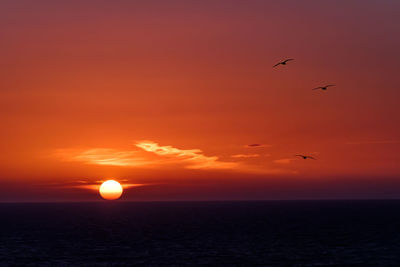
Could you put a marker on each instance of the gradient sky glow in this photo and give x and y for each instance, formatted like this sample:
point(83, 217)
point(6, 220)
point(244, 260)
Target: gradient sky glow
point(165, 96)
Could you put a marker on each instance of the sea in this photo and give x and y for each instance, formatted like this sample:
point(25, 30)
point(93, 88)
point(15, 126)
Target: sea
point(236, 233)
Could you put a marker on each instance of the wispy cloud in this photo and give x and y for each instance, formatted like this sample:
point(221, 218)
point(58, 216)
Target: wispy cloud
point(245, 156)
point(190, 158)
point(103, 156)
point(146, 154)
point(81, 184)
point(256, 145)
point(97, 186)
point(283, 161)
point(194, 157)
point(376, 142)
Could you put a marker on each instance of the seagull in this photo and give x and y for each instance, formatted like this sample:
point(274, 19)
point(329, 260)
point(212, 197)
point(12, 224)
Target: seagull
point(324, 87)
point(305, 157)
point(283, 62)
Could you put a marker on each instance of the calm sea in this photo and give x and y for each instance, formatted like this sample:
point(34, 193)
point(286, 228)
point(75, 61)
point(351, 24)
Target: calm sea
point(265, 233)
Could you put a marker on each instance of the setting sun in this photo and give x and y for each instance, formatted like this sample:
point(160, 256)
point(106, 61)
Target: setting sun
point(188, 132)
point(110, 190)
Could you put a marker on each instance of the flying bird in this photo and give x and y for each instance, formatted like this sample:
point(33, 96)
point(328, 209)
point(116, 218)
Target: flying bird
point(324, 87)
point(305, 157)
point(283, 62)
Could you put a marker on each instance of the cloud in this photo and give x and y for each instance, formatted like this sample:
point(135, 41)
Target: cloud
point(149, 154)
point(103, 156)
point(190, 158)
point(96, 187)
point(256, 145)
point(283, 161)
point(194, 157)
point(245, 156)
point(81, 184)
point(377, 142)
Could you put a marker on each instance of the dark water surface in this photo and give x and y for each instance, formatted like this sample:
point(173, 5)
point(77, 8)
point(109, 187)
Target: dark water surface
point(270, 233)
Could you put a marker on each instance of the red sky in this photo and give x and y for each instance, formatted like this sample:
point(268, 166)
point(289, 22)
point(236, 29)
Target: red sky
point(168, 94)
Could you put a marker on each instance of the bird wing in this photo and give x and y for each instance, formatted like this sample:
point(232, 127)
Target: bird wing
point(299, 156)
point(277, 64)
point(329, 85)
point(311, 157)
point(317, 88)
point(289, 59)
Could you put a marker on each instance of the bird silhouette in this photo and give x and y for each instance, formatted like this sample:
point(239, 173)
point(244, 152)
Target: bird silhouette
point(324, 87)
point(305, 157)
point(283, 62)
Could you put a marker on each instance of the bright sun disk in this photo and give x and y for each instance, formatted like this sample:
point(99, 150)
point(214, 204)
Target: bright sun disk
point(110, 190)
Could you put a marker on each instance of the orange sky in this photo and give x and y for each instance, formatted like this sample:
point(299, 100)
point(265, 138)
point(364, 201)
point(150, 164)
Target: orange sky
point(168, 95)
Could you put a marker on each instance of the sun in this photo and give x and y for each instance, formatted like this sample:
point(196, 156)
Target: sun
point(110, 190)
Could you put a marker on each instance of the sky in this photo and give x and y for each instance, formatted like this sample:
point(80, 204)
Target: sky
point(167, 96)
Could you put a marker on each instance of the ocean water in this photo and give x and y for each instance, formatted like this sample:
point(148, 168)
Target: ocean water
point(265, 233)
